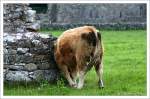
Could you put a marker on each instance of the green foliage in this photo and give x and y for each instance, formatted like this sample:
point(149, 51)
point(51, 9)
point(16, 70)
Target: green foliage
point(124, 70)
point(43, 84)
point(61, 83)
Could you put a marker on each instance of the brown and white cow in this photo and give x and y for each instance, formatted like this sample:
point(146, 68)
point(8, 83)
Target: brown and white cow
point(76, 51)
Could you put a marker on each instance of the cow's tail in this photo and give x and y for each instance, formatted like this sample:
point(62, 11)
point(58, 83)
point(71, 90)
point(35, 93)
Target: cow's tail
point(100, 41)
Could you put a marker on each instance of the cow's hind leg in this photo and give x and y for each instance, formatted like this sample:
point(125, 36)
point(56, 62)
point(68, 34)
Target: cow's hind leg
point(81, 79)
point(99, 71)
point(81, 72)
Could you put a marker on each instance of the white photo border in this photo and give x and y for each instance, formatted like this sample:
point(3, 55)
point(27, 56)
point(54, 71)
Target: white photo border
point(74, 1)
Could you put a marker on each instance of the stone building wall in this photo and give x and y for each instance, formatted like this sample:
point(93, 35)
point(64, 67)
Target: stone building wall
point(99, 13)
point(70, 15)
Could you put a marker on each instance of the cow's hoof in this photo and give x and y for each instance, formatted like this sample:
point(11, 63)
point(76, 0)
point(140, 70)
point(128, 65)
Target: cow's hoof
point(74, 85)
point(79, 87)
point(101, 85)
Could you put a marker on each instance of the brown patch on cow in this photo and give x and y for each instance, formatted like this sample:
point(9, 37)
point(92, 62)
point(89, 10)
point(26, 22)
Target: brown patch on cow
point(68, 54)
point(90, 38)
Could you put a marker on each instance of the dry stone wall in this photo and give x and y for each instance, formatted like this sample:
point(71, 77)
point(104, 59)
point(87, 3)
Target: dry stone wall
point(27, 54)
point(29, 57)
point(19, 18)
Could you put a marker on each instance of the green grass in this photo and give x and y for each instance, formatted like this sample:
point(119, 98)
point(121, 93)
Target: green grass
point(124, 70)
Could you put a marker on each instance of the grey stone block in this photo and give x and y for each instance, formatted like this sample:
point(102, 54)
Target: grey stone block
point(24, 43)
point(22, 50)
point(17, 76)
point(40, 75)
point(9, 59)
point(44, 65)
point(30, 67)
point(26, 58)
point(14, 67)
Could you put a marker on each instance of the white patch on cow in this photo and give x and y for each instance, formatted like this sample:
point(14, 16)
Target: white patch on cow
point(81, 79)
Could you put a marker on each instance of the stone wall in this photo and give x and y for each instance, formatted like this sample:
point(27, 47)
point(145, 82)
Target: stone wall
point(19, 18)
point(107, 26)
point(29, 57)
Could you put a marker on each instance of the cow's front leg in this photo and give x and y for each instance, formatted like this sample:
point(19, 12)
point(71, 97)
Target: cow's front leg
point(74, 76)
point(68, 77)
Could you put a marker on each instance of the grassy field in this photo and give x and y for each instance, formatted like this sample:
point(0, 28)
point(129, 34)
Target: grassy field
point(124, 70)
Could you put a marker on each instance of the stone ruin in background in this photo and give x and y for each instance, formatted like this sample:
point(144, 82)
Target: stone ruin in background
point(19, 18)
point(28, 55)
